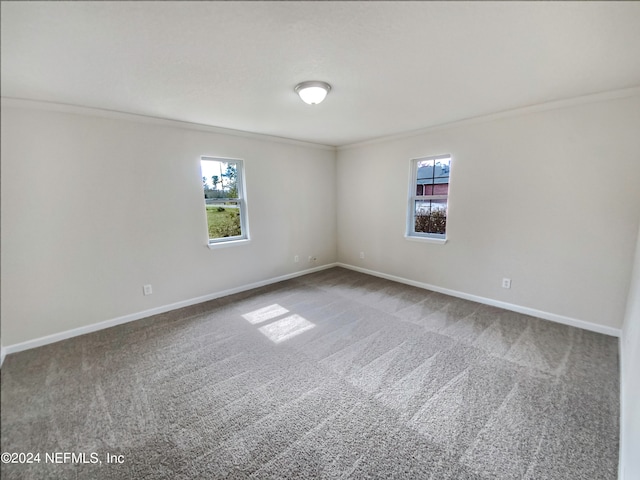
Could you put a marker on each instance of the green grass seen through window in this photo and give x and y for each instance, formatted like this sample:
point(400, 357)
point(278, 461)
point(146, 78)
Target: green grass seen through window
point(223, 221)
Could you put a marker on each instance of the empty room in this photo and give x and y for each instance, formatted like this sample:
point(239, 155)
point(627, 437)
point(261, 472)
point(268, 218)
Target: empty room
point(320, 240)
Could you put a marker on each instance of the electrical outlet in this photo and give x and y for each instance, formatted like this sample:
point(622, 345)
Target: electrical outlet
point(362, 255)
point(296, 258)
point(147, 290)
point(312, 258)
point(506, 283)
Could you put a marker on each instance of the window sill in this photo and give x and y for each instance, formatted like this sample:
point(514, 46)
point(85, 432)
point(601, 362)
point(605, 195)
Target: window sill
point(436, 241)
point(229, 243)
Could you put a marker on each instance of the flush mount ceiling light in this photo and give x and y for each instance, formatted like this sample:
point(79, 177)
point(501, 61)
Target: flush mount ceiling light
point(312, 92)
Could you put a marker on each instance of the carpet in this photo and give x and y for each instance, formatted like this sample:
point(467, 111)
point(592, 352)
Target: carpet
point(333, 375)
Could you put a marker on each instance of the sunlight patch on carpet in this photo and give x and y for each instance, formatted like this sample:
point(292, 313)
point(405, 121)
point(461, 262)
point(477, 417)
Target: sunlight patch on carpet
point(286, 328)
point(264, 314)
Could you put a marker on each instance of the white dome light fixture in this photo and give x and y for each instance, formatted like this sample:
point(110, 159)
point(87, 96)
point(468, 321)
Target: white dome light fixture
point(312, 92)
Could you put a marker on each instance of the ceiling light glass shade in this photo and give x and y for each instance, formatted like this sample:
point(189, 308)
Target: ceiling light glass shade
point(312, 92)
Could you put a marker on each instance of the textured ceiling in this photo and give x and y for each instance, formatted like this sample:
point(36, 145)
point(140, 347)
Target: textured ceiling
point(394, 66)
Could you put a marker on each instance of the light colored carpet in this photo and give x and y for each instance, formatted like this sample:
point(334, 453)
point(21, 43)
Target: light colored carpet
point(332, 375)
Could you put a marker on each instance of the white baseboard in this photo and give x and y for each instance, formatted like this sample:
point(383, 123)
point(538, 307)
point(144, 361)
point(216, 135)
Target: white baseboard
point(574, 322)
point(621, 459)
point(56, 337)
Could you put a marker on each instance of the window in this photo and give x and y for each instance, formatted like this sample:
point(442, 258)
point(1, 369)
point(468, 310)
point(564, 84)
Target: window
point(428, 197)
point(225, 204)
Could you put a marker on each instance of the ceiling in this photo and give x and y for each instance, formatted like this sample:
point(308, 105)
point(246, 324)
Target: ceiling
point(394, 66)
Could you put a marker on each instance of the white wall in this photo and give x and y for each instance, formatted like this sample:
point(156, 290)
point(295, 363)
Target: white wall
point(549, 199)
point(95, 207)
point(630, 392)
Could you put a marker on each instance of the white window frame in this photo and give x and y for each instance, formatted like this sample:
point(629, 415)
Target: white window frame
point(241, 200)
point(411, 234)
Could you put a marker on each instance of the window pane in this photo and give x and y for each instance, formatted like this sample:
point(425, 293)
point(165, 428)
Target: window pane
point(223, 219)
point(224, 199)
point(424, 174)
point(219, 179)
point(431, 216)
point(423, 207)
point(432, 175)
point(441, 188)
point(427, 189)
point(441, 169)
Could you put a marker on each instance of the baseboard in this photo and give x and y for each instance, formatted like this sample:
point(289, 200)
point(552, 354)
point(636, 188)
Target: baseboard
point(574, 322)
point(621, 358)
point(57, 337)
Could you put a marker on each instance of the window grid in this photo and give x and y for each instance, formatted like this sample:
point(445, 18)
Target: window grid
point(228, 221)
point(429, 193)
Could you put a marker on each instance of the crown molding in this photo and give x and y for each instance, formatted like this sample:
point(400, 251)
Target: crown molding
point(541, 107)
point(8, 102)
